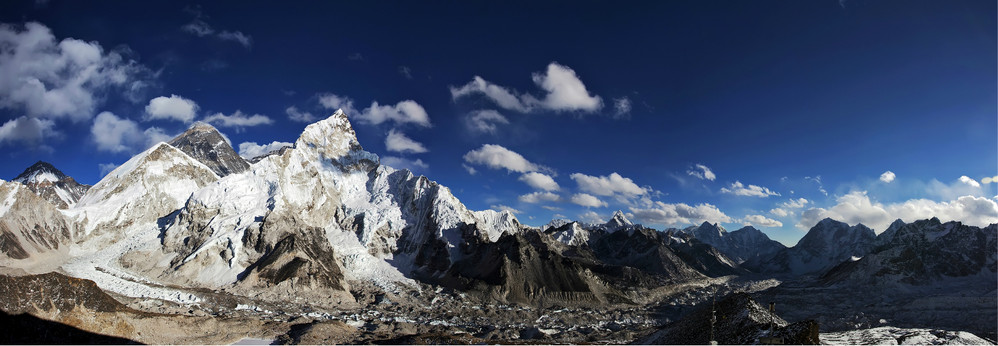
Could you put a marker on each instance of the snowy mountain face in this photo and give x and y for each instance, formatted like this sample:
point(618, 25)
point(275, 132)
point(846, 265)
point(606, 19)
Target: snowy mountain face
point(51, 184)
point(29, 225)
point(147, 187)
point(924, 252)
point(204, 143)
point(331, 199)
point(618, 222)
point(826, 245)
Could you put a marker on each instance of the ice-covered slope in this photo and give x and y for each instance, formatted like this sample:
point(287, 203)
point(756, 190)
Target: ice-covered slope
point(334, 200)
point(204, 143)
point(145, 188)
point(51, 184)
point(28, 224)
point(826, 245)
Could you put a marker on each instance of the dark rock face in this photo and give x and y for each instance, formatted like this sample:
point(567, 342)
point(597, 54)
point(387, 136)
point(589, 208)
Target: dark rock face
point(51, 184)
point(740, 246)
point(825, 246)
point(205, 144)
point(739, 320)
point(923, 252)
point(703, 257)
point(53, 291)
point(643, 249)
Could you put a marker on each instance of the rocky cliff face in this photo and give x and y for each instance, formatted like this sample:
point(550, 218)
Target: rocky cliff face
point(826, 245)
point(30, 225)
point(204, 143)
point(924, 252)
point(740, 246)
point(738, 320)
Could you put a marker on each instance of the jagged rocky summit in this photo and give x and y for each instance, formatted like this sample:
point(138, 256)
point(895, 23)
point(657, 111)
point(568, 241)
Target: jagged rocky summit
point(204, 143)
point(52, 185)
point(925, 252)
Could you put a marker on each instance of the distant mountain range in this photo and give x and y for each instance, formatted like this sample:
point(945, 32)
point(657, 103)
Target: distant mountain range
point(314, 221)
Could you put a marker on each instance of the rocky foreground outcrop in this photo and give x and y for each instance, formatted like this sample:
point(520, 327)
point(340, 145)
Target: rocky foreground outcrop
point(738, 320)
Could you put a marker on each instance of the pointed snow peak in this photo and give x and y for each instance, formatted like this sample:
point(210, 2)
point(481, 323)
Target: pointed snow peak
point(333, 140)
point(617, 222)
point(334, 136)
point(39, 172)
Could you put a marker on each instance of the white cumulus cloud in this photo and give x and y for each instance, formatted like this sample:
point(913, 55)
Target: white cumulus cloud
point(679, 214)
point(796, 203)
point(172, 108)
point(739, 189)
point(33, 131)
point(249, 150)
point(398, 142)
point(115, 134)
point(591, 217)
point(702, 172)
point(50, 79)
point(969, 181)
point(608, 185)
point(496, 156)
point(539, 197)
point(564, 92)
point(760, 221)
point(238, 119)
point(857, 207)
point(540, 181)
point(407, 111)
point(887, 177)
point(587, 200)
point(779, 212)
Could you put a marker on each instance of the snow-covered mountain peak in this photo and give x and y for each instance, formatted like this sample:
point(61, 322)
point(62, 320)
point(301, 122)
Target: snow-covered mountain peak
point(148, 186)
point(334, 139)
point(617, 222)
point(51, 184)
point(40, 172)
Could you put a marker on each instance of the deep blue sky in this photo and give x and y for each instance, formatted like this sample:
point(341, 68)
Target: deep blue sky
point(794, 97)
